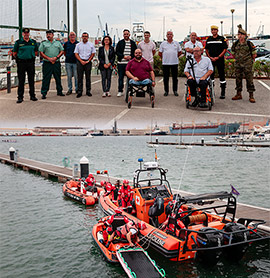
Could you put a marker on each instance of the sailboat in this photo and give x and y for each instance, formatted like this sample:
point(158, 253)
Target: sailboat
point(243, 148)
point(151, 145)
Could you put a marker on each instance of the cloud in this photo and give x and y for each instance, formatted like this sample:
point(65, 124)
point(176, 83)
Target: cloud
point(179, 15)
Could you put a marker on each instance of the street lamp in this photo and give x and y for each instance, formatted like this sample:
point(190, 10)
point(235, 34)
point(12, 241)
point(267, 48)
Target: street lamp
point(232, 11)
point(221, 22)
point(246, 14)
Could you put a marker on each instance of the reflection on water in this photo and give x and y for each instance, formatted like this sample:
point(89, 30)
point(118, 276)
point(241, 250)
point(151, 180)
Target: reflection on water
point(43, 234)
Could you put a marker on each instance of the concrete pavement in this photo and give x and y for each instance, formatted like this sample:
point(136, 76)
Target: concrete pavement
point(101, 112)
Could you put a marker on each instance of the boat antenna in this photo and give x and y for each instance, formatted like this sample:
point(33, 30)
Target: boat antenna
point(183, 170)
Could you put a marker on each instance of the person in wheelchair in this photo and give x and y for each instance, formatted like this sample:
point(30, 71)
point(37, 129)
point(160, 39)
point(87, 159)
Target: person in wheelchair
point(198, 71)
point(139, 71)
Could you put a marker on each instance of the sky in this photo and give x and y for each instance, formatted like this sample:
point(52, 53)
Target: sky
point(180, 16)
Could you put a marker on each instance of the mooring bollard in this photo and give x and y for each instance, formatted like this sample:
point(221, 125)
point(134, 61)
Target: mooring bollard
point(12, 153)
point(84, 166)
point(157, 140)
point(16, 155)
point(75, 170)
point(202, 141)
point(8, 80)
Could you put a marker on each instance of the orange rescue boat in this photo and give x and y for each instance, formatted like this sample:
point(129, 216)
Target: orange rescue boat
point(73, 189)
point(177, 228)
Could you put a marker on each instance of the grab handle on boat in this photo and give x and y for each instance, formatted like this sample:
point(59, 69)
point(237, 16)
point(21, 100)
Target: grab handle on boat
point(194, 240)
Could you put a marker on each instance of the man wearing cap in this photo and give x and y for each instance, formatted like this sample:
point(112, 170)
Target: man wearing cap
point(25, 51)
point(216, 47)
point(244, 53)
point(84, 53)
point(71, 62)
point(51, 50)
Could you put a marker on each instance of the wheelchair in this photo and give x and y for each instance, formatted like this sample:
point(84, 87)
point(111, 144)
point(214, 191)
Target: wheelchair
point(139, 91)
point(210, 95)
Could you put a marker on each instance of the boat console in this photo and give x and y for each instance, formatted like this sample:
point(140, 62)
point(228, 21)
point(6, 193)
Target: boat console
point(150, 184)
point(150, 193)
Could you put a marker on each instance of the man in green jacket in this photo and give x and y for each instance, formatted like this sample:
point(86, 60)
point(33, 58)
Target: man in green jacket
point(244, 53)
point(51, 50)
point(25, 51)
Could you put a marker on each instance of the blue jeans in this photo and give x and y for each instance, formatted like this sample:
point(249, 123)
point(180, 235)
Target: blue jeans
point(72, 71)
point(138, 83)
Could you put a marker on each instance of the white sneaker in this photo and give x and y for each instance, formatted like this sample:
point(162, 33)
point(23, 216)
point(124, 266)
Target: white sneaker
point(104, 94)
point(119, 94)
point(109, 94)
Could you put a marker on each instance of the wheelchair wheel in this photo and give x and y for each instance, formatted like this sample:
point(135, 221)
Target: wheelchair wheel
point(187, 97)
point(152, 101)
point(127, 95)
point(211, 92)
point(209, 105)
point(127, 90)
point(129, 101)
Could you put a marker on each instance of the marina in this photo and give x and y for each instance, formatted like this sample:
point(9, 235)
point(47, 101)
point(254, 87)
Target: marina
point(117, 186)
point(208, 144)
point(62, 174)
point(47, 166)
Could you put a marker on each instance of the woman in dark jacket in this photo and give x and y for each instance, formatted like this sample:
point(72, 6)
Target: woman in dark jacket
point(106, 57)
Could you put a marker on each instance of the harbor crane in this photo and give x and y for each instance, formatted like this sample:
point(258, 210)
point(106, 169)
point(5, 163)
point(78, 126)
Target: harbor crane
point(101, 28)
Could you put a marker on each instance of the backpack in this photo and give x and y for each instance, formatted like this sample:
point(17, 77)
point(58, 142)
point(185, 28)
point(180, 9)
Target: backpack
point(249, 46)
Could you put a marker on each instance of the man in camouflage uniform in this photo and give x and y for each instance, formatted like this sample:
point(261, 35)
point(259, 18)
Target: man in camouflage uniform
point(244, 53)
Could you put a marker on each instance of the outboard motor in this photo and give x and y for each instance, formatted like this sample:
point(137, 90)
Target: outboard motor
point(156, 210)
point(206, 240)
point(235, 253)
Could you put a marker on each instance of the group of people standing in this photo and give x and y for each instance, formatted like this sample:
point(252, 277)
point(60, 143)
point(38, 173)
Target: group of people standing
point(79, 56)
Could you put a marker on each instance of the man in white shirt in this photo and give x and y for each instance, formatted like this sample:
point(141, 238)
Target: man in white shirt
point(84, 53)
point(190, 45)
point(148, 48)
point(169, 52)
point(198, 71)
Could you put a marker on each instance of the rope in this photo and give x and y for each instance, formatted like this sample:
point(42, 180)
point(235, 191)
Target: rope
point(183, 171)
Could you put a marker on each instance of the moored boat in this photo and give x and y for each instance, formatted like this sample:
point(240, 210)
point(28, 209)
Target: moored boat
point(108, 252)
point(135, 260)
point(203, 233)
point(204, 129)
point(243, 148)
point(73, 189)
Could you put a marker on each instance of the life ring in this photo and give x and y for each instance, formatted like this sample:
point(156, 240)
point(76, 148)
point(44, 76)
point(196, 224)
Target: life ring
point(66, 161)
